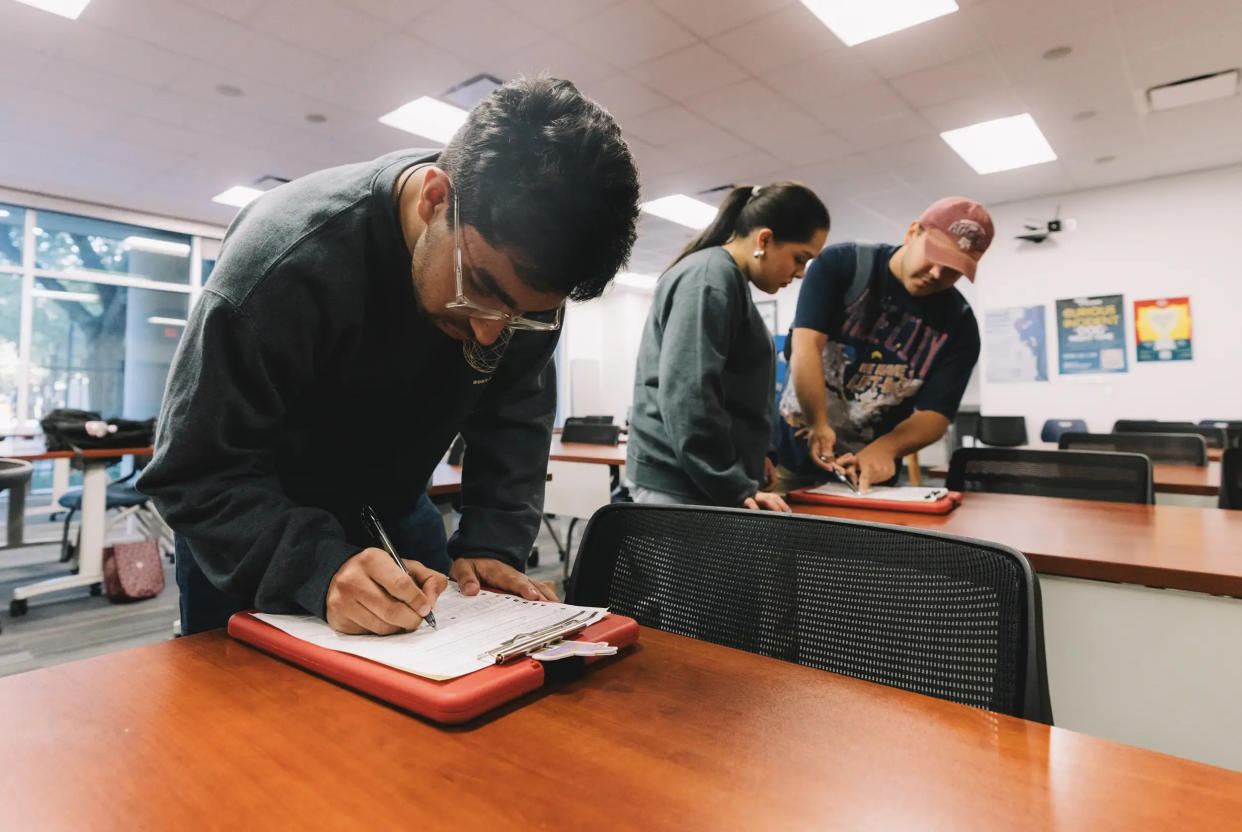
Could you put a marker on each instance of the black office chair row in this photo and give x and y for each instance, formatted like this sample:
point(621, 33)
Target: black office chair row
point(932, 613)
point(1231, 479)
point(1168, 448)
point(1010, 431)
point(1078, 475)
point(1214, 436)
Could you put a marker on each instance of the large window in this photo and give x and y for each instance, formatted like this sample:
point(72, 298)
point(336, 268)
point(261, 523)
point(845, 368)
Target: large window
point(91, 313)
point(12, 234)
point(68, 243)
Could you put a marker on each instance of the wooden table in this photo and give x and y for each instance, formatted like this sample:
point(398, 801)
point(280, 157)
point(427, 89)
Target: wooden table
point(445, 480)
point(679, 734)
point(583, 452)
point(1171, 547)
point(1134, 639)
point(1200, 480)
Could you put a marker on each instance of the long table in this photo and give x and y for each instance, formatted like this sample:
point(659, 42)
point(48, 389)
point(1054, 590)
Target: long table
point(1199, 480)
point(94, 508)
point(679, 734)
point(1138, 634)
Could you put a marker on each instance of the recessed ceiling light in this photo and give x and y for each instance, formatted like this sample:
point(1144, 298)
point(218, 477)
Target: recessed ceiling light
point(681, 209)
point(316, 118)
point(854, 22)
point(426, 117)
point(1057, 52)
point(65, 8)
point(156, 319)
point(238, 196)
point(1103, 160)
point(1194, 90)
point(1001, 144)
point(154, 246)
point(230, 91)
point(1084, 115)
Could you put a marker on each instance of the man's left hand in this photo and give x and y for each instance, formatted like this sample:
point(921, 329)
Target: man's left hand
point(870, 465)
point(473, 573)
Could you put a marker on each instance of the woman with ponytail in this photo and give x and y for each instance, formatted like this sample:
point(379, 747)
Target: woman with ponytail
point(701, 424)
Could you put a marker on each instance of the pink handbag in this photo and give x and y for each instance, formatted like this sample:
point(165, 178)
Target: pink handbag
point(133, 571)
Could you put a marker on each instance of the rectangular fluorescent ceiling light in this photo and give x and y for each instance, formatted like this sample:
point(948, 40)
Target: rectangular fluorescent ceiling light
point(239, 196)
point(57, 294)
point(156, 319)
point(681, 209)
point(427, 117)
point(855, 21)
point(1001, 144)
point(1194, 90)
point(154, 246)
point(65, 8)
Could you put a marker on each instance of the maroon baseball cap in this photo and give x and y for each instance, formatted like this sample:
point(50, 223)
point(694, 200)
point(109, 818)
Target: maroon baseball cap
point(965, 229)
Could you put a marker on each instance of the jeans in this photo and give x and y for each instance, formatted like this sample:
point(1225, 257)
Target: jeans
point(417, 532)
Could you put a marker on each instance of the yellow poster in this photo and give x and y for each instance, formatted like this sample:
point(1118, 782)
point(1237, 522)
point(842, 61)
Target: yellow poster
point(1162, 328)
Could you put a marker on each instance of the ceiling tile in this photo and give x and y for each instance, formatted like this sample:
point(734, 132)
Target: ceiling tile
point(178, 28)
point(475, 29)
point(623, 96)
point(234, 9)
point(555, 56)
point(684, 133)
point(710, 17)
point(975, 74)
point(557, 15)
point(777, 40)
point(399, 70)
point(399, 12)
point(629, 33)
point(894, 129)
point(800, 150)
point(929, 44)
point(872, 103)
point(1003, 22)
point(754, 111)
point(688, 72)
point(334, 30)
point(964, 111)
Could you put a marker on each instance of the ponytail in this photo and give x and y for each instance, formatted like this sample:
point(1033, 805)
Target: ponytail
point(790, 209)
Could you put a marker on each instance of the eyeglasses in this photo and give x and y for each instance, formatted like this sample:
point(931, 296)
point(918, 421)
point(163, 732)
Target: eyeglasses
point(477, 310)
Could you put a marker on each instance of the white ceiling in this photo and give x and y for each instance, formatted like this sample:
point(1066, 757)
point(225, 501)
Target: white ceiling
point(120, 106)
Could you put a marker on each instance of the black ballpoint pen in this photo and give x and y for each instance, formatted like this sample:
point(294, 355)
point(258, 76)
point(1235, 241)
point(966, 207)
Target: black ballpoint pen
point(371, 520)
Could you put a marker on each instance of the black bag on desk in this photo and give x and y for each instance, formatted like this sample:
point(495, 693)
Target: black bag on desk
point(65, 430)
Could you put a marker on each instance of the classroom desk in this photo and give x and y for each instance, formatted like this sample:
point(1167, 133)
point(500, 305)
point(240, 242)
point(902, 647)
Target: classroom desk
point(1139, 639)
point(445, 480)
point(1199, 480)
point(583, 452)
point(679, 734)
point(94, 507)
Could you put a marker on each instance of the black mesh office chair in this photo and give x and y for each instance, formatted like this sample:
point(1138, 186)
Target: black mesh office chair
point(1213, 436)
point(1053, 428)
point(1003, 431)
point(1231, 479)
point(1078, 475)
point(965, 424)
point(1170, 448)
point(940, 615)
point(1231, 427)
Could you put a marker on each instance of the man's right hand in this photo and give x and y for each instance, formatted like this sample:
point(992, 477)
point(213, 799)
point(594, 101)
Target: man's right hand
point(821, 440)
point(369, 594)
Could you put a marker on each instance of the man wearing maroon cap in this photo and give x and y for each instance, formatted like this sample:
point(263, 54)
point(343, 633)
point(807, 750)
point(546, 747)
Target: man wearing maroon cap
point(882, 348)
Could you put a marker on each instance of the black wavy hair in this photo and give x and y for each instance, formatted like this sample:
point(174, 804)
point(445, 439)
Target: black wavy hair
point(542, 173)
point(790, 209)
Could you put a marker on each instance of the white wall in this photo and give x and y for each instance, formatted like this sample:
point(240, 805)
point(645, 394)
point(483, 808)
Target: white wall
point(1170, 237)
point(601, 338)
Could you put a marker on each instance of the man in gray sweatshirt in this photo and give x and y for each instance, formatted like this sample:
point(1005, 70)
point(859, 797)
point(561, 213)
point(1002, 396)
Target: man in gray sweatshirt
point(356, 321)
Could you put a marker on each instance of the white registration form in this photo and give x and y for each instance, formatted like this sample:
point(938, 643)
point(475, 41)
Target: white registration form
point(471, 631)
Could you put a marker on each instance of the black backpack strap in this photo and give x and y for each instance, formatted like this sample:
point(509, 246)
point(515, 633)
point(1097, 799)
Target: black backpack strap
point(864, 261)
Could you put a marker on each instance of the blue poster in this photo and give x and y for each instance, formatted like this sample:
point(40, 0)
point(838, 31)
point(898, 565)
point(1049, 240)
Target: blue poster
point(1014, 344)
point(1091, 334)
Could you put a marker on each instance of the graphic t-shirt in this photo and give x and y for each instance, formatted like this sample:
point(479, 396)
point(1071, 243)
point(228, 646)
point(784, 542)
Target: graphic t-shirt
point(888, 353)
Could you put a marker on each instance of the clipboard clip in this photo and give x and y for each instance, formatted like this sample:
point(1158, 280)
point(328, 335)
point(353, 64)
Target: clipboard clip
point(523, 643)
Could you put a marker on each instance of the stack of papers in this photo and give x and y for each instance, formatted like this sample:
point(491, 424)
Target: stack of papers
point(473, 633)
point(897, 493)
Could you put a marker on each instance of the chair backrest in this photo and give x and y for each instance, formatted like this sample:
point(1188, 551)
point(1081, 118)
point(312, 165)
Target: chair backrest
point(1231, 479)
point(590, 420)
point(965, 423)
point(1079, 475)
point(1213, 436)
point(940, 615)
point(1171, 448)
point(1053, 428)
point(1231, 427)
point(1005, 431)
point(592, 433)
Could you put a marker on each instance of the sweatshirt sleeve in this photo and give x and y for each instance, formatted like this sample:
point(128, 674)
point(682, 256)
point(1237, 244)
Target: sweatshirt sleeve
point(506, 466)
point(213, 474)
point(693, 350)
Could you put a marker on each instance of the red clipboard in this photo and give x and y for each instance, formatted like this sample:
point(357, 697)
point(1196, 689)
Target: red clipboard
point(944, 505)
point(450, 702)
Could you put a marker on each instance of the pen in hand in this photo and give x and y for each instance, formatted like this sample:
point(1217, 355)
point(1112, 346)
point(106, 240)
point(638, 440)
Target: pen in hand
point(371, 520)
